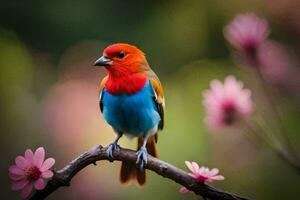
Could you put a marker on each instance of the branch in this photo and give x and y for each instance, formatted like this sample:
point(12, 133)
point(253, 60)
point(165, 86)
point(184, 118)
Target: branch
point(64, 176)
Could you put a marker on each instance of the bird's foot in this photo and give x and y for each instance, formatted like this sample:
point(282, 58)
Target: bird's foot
point(141, 160)
point(112, 147)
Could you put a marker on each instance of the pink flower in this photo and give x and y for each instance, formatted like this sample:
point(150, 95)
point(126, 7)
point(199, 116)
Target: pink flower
point(30, 170)
point(226, 103)
point(202, 174)
point(246, 32)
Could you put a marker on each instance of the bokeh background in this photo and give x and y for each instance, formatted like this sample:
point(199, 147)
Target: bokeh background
point(48, 90)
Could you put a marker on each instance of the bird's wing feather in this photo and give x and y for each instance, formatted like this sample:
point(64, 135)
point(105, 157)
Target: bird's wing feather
point(100, 92)
point(158, 97)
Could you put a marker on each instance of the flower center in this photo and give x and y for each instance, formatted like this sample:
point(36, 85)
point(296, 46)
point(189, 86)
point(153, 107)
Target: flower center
point(229, 113)
point(32, 173)
point(202, 178)
point(250, 48)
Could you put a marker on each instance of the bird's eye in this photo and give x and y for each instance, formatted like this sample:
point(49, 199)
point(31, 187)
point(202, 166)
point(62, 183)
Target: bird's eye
point(121, 55)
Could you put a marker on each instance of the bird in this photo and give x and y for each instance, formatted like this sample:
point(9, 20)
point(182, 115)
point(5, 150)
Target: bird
point(131, 99)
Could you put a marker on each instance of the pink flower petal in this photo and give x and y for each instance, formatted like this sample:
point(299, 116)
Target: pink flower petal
point(21, 162)
point(201, 170)
point(29, 155)
point(14, 169)
point(16, 177)
point(47, 174)
point(189, 165)
point(183, 190)
point(19, 184)
point(218, 178)
point(39, 184)
point(214, 172)
point(47, 164)
point(39, 156)
point(26, 190)
point(195, 166)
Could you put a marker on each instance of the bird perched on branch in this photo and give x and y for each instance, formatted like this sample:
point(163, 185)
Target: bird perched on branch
point(132, 102)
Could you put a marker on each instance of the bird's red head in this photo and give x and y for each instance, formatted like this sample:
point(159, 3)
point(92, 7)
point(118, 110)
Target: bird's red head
point(127, 68)
point(123, 59)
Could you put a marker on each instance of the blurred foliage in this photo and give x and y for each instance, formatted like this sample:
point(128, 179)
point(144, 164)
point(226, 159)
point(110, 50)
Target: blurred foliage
point(49, 91)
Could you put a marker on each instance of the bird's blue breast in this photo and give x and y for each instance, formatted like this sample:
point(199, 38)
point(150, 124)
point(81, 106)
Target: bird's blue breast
point(134, 114)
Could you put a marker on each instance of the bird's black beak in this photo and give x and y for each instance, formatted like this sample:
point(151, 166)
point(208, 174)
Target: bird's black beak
point(103, 61)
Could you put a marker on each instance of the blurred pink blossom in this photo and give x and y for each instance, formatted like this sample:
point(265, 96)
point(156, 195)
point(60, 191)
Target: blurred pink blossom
point(275, 62)
point(30, 170)
point(226, 103)
point(202, 174)
point(246, 32)
point(69, 108)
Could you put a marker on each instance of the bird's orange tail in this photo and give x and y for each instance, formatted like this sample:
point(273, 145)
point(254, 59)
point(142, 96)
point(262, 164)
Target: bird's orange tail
point(129, 171)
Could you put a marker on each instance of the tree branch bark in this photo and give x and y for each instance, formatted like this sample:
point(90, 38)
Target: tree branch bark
point(64, 176)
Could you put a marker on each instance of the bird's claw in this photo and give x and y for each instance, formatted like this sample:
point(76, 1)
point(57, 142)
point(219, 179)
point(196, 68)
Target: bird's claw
point(112, 147)
point(141, 160)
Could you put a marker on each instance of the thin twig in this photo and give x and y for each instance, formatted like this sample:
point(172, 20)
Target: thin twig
point(64, 176)
point(283, 150)
point(274, 109)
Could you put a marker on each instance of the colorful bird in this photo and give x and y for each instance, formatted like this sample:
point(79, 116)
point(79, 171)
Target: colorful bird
point(132, 102)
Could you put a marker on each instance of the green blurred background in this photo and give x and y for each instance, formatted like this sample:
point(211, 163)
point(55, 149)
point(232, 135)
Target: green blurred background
point(48, 90)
